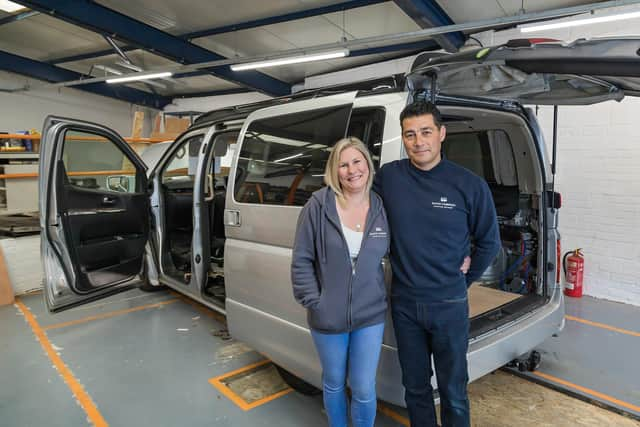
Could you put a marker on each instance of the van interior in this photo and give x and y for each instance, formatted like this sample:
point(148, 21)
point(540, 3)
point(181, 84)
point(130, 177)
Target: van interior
point(495, 145)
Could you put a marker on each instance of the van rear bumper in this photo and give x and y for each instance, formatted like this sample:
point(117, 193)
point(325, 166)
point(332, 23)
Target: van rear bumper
point(290, 345)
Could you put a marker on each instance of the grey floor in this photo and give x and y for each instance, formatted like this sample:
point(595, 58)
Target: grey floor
point(601, 355)
point(146, 358)
point(148, 367)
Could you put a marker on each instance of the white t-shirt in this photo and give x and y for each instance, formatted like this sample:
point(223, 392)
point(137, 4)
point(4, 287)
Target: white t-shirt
point(354, 241)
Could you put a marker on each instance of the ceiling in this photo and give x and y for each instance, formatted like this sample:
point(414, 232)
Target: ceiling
point(58, 41)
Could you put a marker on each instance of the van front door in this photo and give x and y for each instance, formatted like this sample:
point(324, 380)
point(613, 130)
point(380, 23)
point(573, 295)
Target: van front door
point(94, 212)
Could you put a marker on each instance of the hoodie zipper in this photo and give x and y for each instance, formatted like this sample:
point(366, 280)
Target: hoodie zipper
point(355, 265)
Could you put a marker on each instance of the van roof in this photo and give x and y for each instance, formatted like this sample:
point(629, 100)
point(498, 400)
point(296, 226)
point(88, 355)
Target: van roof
point(393, 83)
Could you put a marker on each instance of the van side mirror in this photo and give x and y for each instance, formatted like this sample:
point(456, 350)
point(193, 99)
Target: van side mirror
point(119, 183)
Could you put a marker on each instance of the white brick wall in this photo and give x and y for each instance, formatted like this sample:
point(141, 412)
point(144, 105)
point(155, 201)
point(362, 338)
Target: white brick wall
point(598, 172)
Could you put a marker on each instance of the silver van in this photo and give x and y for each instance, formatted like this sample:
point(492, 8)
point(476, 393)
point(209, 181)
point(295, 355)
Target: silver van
point(215, 217)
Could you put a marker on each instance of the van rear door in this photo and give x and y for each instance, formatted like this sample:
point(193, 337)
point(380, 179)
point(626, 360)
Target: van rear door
point(537, 72)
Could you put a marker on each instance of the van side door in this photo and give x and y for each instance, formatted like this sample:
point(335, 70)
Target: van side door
point(279, 163)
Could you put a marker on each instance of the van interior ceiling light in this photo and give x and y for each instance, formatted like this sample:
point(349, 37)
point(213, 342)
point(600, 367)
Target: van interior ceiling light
point(140, 77)
point(340, 53)
point(579, 22)
point(9, 6)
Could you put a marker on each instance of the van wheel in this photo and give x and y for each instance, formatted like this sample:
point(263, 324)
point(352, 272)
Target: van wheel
point(297, 384)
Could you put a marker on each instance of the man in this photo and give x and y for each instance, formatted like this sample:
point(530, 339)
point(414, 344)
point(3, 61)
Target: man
point(434, 207)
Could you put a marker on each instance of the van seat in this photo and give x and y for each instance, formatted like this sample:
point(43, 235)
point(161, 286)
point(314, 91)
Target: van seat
point(506, 199)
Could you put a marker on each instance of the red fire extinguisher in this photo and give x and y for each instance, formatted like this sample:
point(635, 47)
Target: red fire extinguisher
point(573, 266)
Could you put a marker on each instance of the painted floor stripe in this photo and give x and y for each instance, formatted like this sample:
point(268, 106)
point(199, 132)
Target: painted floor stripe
point(603, 326)
point(218, 383)
point(385, 410)
point(109, 314)
point(588, 391)
point(77, 389)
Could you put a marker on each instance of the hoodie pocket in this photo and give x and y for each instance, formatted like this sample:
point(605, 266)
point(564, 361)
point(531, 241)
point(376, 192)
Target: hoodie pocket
point(326, 317)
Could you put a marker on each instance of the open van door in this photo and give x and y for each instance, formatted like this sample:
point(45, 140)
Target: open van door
point(94, 212)
point(540, 72)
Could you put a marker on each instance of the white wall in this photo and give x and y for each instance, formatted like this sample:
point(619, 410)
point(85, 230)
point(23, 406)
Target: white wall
point(27, 110)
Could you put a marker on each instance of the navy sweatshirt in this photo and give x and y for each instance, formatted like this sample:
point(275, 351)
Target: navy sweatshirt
point(433, 216)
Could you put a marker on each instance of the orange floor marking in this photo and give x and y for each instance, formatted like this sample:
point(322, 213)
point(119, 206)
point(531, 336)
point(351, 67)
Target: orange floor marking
point(108, 314)
point(588, 391)
point(200, 307)
point(385, 410)
point(231, 395)
point(77, 389)
point(603, 326)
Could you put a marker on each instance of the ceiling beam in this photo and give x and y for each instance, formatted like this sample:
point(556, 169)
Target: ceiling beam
point(50, 73)
point(428, 14)
point(105, 21)
point(347, 5)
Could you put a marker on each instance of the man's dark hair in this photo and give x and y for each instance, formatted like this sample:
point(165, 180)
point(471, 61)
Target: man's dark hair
point(420, 108)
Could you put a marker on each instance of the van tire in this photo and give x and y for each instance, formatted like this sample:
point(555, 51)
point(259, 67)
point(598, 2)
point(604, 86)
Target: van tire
point(298, 384)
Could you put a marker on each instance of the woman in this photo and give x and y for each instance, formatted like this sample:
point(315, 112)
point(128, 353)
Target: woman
point(337, 276)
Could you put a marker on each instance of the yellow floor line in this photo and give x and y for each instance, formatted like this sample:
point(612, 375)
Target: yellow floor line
point(77, 389)
point(603, 326)
point(109, 314)
point(588, 391)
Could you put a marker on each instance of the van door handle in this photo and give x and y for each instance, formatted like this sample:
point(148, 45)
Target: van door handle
point(108, 201)
point(232, 218)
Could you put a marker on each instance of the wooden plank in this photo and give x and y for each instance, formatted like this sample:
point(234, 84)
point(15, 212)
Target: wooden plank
point(6, 290)
point(483, 299)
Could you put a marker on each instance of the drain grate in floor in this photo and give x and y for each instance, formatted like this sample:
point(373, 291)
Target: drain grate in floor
point(252, 386)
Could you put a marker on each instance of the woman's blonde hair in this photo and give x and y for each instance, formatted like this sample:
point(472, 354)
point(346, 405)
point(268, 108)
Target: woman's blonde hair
point(333, 164)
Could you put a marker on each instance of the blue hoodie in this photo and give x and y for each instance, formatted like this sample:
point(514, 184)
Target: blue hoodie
point(339, 297)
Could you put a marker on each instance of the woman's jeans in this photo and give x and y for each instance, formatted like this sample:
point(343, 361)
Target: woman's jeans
point(357, 354)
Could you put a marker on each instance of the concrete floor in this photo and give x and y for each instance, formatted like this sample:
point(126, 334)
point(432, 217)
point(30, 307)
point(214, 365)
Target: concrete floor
point(146, 359)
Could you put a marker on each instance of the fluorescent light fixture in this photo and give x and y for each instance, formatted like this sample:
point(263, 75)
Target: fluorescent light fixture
point(9, 6)
point(288, 158)
point(579, 22)
point(341, 53)
point(141, 77)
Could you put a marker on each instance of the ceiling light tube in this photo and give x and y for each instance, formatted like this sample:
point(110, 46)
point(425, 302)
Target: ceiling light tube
point(341, 53)
point(140, 77)
point(9, 6)
point(288, 158)
point(579, 22)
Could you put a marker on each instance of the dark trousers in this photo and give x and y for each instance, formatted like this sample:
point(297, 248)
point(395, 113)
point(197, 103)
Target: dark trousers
point(442, 330)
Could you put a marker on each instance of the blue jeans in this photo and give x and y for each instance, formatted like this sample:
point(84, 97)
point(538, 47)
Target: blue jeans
point(357, 354)
point(442, 330)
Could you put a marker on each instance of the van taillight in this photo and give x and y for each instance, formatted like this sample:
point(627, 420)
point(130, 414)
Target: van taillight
point(558, 266)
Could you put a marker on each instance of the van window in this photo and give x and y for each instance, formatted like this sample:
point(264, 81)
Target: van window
point(95, 162)
point(488, 154)
point(470, 150)
point(282, 159)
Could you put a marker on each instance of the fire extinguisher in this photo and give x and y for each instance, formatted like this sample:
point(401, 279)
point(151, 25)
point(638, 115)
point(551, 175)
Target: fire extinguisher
point(573, 266)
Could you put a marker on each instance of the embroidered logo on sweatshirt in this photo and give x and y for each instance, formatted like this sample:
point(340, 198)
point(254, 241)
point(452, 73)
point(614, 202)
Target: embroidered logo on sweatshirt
point(443, 203)
point(378, 232)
